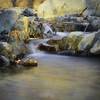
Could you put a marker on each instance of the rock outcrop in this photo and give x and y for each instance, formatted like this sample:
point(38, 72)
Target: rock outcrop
point(76, 43)
point(15, 30)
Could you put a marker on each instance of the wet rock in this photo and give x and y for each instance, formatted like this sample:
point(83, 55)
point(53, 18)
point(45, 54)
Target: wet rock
point(28, 62)
point(48, 48)
point(68, 43)
point(58, 43)
point(4, 61)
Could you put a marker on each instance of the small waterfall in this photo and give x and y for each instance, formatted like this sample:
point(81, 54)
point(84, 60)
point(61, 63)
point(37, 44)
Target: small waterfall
point(33, 45)
point(47, 29)
point(33, 48)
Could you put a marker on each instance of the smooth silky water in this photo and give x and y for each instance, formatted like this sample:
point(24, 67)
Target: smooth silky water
point(56, 78)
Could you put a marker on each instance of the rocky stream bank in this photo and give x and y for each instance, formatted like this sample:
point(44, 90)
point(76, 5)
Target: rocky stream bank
point(66, 35)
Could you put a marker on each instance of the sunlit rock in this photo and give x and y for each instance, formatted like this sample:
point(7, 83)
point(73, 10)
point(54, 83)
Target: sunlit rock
point(87, 42)
point(73, 40)
point(28, 62)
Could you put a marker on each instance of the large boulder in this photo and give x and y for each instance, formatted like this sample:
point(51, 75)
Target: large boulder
point(87, 42)
point(73, 40)
point(7, 19)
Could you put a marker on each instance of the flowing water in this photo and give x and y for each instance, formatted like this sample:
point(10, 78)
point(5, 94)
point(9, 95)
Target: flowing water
point(55, 78)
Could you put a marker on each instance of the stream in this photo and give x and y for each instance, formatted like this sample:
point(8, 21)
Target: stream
point(56, 78)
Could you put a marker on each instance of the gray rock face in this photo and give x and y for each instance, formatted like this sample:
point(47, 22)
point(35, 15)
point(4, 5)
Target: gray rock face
point(7, 19)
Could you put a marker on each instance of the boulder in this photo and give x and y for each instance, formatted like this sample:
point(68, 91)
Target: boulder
point(96, 48)
point(87, 42)
point(73, 40)
point(90, 43)
point(4, 61)
point(58, 43)
point(7, 19)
